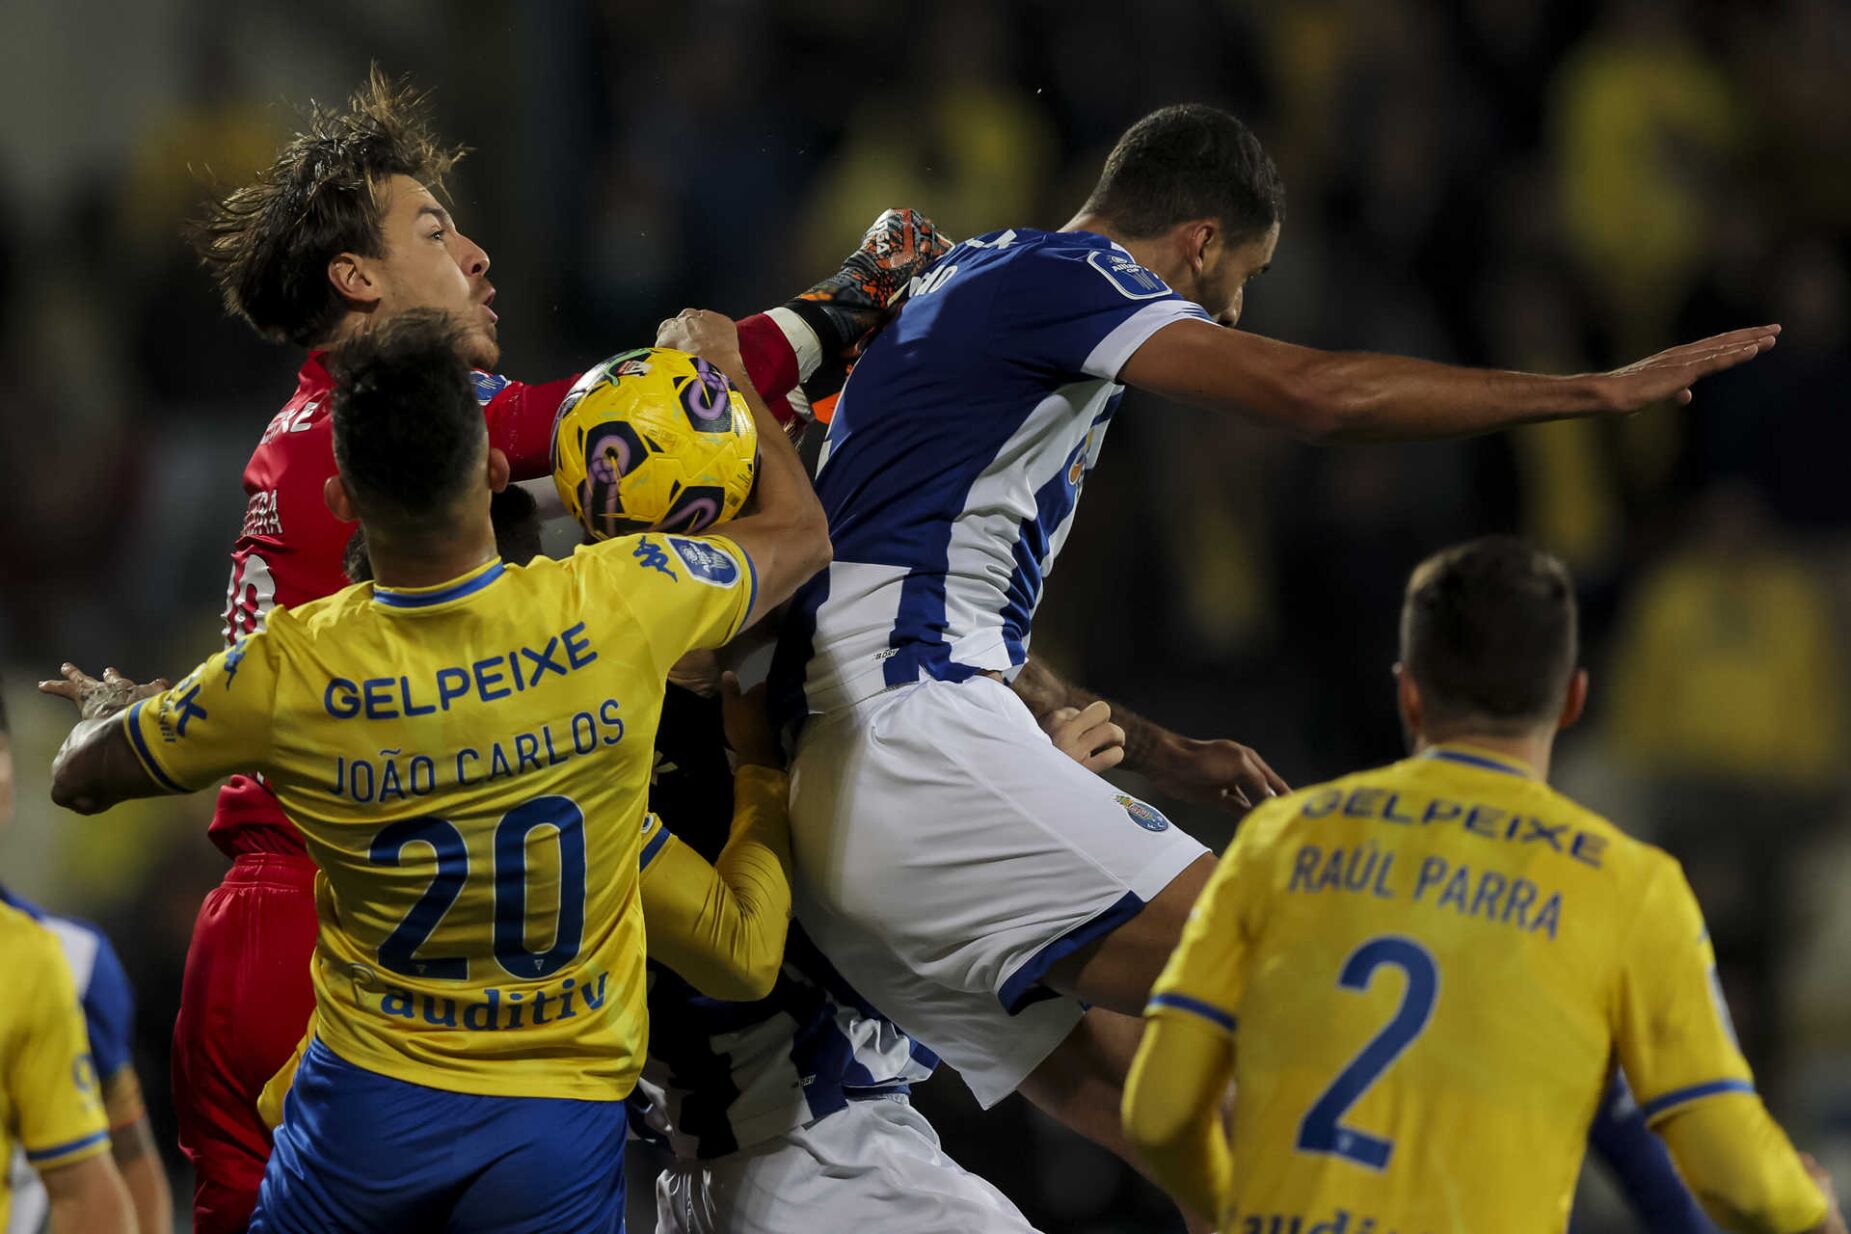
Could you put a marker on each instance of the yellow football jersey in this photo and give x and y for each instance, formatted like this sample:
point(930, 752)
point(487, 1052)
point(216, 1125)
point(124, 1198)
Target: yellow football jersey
point(469, 764)
point(1433, 967)
point(50, 1102)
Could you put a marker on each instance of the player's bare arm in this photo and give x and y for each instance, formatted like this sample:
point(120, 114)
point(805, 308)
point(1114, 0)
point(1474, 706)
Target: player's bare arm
point(1220, 773)
point(88, 1197)
point(139, 1162)
point(786, 534)
point(1360, 396)
point(95, 768)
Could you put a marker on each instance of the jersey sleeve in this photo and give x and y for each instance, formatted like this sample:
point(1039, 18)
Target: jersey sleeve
point(520, 420)
point(1084, 312)
point(685, 592)
point(49, 1075)
point(722, 926)
point(1207, 973)
point(109, 1019)
point(1672, 1027)
point(215, 721)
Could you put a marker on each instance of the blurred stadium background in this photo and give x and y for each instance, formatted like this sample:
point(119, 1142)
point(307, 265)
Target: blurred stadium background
point(1560, 184)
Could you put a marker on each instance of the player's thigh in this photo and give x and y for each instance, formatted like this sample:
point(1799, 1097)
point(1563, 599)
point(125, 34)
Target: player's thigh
point(1117, 970)
point(874, 1165)
point(245, 1001)
point(247, 994)
point(941, 828)
point(1081, 1083)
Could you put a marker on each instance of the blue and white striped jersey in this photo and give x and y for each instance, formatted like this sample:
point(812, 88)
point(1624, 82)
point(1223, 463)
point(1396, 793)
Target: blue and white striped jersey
point(722, 1076)
point(955, 459)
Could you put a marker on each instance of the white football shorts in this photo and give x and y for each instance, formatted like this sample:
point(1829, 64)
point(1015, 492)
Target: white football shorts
point(946, 855)
point(874, 1165)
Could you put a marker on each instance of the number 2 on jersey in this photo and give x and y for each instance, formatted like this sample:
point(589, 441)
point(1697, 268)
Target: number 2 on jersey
point(1320, 1131)
point(398, 951)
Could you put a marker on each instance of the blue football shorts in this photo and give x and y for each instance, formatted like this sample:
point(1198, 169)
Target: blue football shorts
point(359, 1151)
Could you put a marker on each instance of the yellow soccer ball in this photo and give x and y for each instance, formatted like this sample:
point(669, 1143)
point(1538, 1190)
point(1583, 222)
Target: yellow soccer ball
point(653, 440)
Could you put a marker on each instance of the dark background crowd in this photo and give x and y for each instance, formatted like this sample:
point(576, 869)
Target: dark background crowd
point(1551, 184)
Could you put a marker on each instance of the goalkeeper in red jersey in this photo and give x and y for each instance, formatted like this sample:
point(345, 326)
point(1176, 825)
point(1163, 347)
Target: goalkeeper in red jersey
point(345, 229)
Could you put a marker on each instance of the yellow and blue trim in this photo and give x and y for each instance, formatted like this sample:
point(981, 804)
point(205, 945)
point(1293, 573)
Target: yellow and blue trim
point(131, 720)
point(1468, 757)
point(1678, 1098)
point(69, 1151)
point(653, 849)
point(1194, 1006)
point(442, 593)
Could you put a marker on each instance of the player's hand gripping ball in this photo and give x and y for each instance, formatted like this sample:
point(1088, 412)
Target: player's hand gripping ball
point(653, 440)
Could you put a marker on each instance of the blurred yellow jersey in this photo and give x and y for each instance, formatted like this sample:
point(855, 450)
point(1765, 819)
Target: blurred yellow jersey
point(1433, 968)
point(468, 764)
point(50, 1102)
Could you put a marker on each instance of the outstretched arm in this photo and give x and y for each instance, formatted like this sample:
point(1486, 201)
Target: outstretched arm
point(1219, 773)
point(1359, 396)
point(96, 768)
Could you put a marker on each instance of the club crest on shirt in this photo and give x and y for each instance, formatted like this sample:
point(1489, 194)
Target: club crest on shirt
point(488, 385)
point(1146, 816)
point(1131, 280)
point(706, 563)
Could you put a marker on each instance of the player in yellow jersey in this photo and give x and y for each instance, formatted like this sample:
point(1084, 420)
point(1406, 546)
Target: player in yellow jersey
point(466, 748)
point(1435, 965)
point(50, 1101)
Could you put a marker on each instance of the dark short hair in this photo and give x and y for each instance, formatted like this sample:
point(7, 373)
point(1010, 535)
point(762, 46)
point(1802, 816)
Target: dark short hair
point(408, 432)
point(514, 512)
point(1489, 632)
point(1190, 161)
point(269, 243)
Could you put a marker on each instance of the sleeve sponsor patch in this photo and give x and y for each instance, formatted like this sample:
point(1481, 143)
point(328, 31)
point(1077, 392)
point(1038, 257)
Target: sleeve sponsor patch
point(488, 385)
point(1131, 280)
point(711, 565)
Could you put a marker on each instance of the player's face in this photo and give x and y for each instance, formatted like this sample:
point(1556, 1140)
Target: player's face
point(1222, 287)
point(428, 263)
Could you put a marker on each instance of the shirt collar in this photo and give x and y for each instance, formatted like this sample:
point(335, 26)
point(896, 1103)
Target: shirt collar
point(455, 589)
point(1475, 756)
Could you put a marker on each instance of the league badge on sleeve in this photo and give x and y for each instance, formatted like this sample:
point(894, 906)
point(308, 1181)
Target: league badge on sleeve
point(1132, 281)
point(488, 385)
point(706, 563)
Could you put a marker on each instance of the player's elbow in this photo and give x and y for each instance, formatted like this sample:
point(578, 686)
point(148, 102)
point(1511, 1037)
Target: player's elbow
point(69, 789)
point(811, 539)
point(757, 981)
point(744, 982)
point(1321, 408)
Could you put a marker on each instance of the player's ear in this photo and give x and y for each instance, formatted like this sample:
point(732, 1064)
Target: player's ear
point(340, 501)
point(498, 470)
point(1407, 700)
point(1576, 700)
point(1199, 237)
point(351, 278)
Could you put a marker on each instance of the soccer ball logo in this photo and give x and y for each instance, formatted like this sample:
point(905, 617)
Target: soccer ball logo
point(653, 440)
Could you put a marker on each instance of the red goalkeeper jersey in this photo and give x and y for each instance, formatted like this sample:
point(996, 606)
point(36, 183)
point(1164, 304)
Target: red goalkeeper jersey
point(290, 548)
